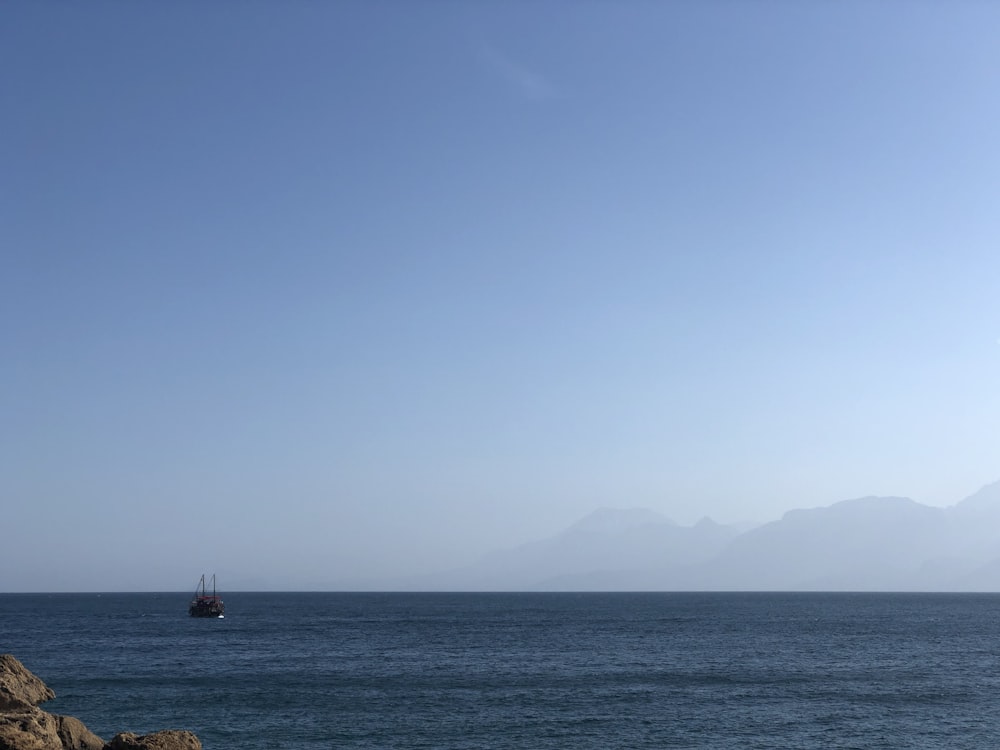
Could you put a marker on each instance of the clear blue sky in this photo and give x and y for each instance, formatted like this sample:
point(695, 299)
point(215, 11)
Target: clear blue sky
point(305, 291)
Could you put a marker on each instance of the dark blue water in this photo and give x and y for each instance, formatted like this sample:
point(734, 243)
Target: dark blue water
point(309, 671)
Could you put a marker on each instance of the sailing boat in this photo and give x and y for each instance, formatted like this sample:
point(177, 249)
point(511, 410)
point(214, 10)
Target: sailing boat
point(205, 604)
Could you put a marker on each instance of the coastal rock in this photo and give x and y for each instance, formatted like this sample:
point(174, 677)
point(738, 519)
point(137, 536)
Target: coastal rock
point(74, 734)
point(169, 739)
point(24, 726)
point(29, 730)
point(19, 688)
point(35, 729)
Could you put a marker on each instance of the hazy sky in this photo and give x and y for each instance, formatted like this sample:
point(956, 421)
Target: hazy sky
point(302, 291)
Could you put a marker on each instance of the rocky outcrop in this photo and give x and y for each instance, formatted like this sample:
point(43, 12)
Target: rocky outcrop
point(35, 729)
point(170, 739)
point(74, 734)
point(19, 688)
point(24, 726)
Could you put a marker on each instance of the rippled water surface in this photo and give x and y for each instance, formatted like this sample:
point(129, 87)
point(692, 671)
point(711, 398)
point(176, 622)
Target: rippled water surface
point(324, 670)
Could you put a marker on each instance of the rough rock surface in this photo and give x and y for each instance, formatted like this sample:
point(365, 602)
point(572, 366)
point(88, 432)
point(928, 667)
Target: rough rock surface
point(75, 735)
point(19, 688)
point(24, 726)
point(170, 739)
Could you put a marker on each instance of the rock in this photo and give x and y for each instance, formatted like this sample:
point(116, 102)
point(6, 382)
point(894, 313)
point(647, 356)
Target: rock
point(19, 688)
point(37, 730)
point(29, 730)
point(75, 736)
point(168, 739)
point(24, 726)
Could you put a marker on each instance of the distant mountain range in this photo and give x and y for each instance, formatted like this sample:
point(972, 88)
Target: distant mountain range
point(868, 544)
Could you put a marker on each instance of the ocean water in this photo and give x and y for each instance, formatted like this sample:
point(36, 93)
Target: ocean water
point(325, 670)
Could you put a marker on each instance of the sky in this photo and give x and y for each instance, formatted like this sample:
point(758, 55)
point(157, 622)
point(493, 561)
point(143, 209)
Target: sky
point(305, 292)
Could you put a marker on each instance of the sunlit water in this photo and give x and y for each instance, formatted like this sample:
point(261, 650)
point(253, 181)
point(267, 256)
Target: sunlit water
point(309, 671)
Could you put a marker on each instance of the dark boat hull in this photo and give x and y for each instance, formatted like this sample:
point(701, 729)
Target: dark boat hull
point(207, 607)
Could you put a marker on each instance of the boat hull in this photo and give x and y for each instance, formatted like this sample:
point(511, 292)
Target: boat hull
point(207, 607)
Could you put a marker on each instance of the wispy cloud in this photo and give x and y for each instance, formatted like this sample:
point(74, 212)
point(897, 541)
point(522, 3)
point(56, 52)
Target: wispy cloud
point(523, 81)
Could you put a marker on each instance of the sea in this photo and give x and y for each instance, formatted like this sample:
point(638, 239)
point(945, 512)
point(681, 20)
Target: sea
point(311, 671)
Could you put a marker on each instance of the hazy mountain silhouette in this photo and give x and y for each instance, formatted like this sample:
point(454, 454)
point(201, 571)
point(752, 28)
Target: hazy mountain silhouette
point(871, 543)
point(866, 544)
point(608, 549)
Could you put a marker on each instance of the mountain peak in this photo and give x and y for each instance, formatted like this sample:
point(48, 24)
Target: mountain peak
point(867, 504)
point(617, 520)
point(985, 500)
